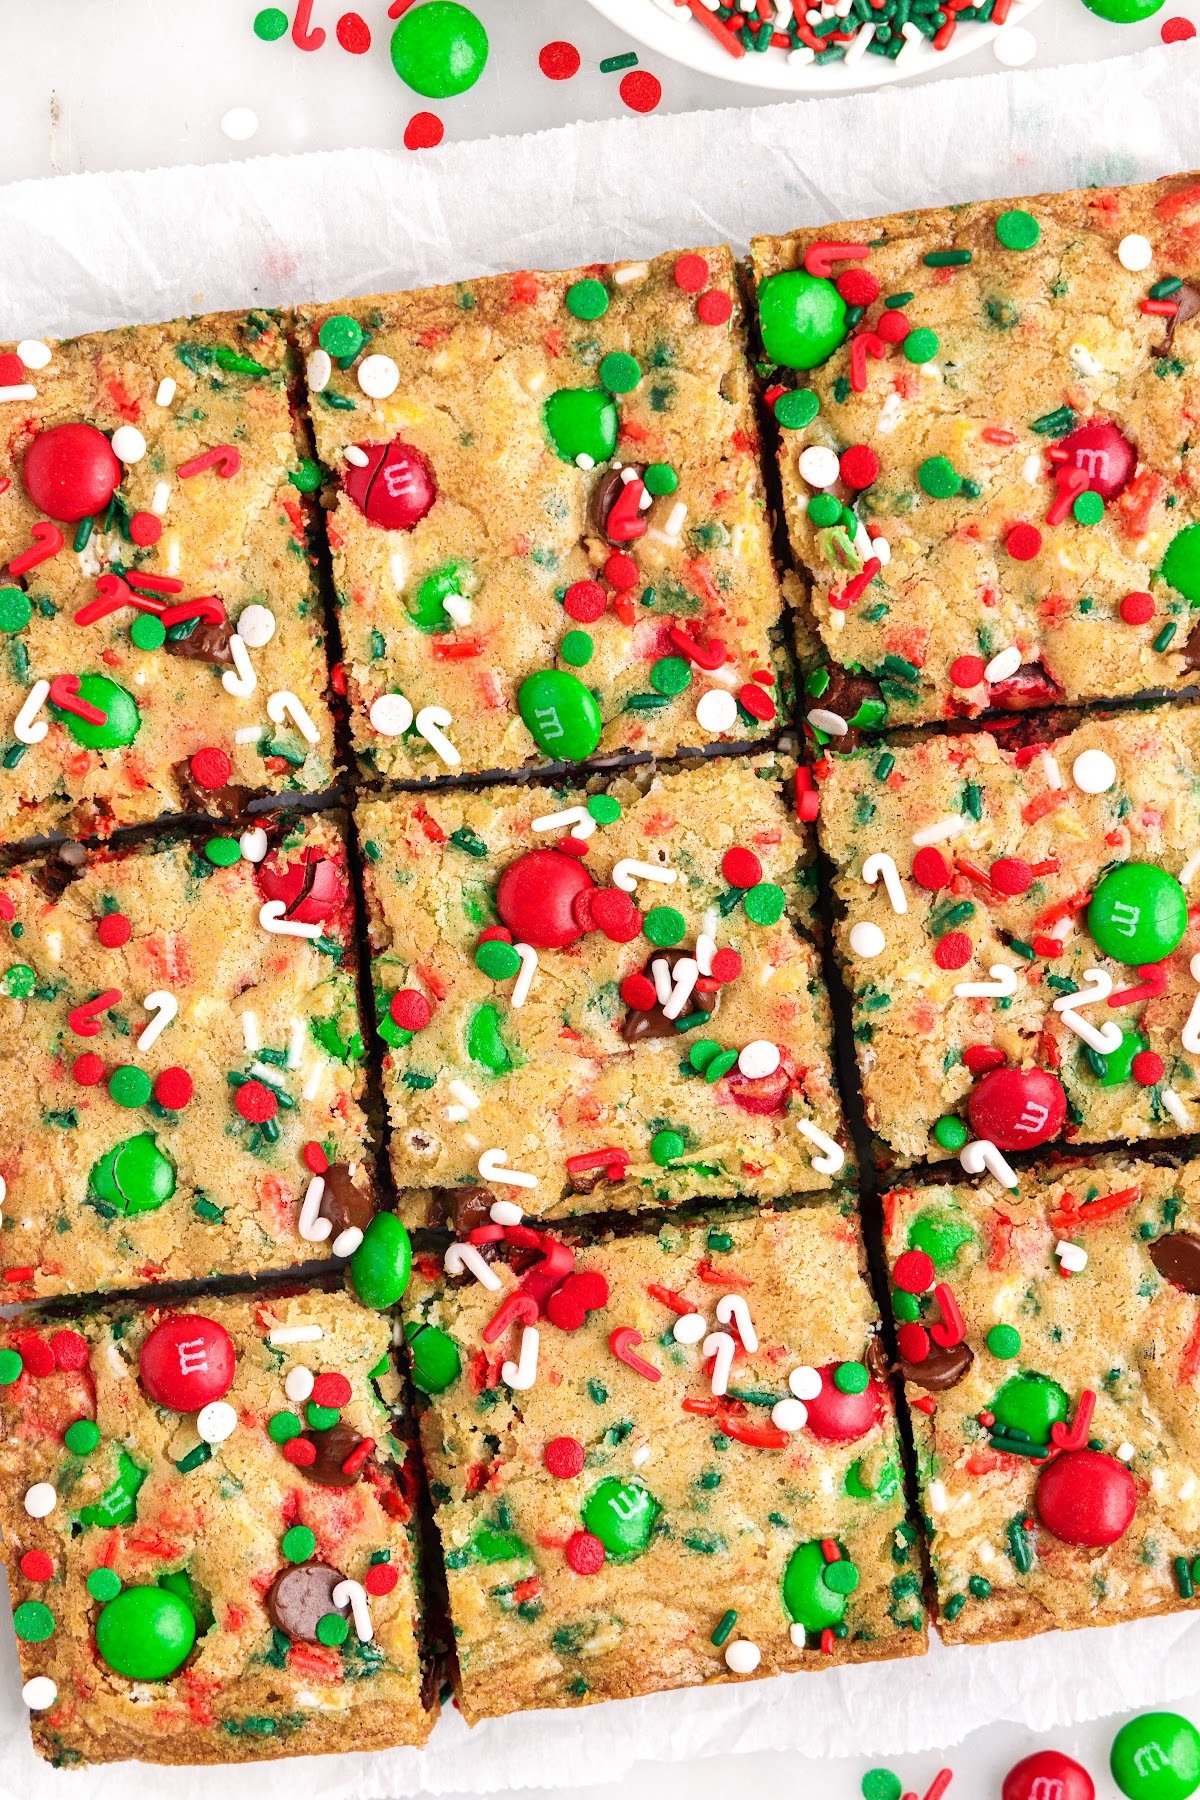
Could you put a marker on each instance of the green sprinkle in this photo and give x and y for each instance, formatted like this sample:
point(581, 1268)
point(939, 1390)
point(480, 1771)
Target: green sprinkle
point(604, 809)
point(332, 1630)
point(1004, 1341)
point(946, 259)
point(725, 1625)
point(664, 926)
point(15, 609)
point(660, 478)
point(587, 299)
point(881, 1784)
point(609, 66)
point(1017, 230)
point(764, 903)
point(950, 1133)
point(850, 1378)
point(720, 1066)
point(11, 1364)
point(620, 372)
point(81, 1437)
point(795, 410)
point(1164, 637)
point(33, 1622)
point(320, 1418)
point(222, 852)
point(298, 1544)
point(939, 478)
point(670, 675)
point(824, 510)
point(306, 476)
point(129, 1086)
point(577, 649)
point(270, 24)
point(1088, 508)
point(103, 1584)
point(341, 337)
point(283, 1426)
point(1162, 290)
point(921, 346)
point(665, 1146)
point(884, 766)
point(497, 960)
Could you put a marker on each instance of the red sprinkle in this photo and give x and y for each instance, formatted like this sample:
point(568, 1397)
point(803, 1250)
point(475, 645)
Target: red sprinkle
point(859, 466)
point(952, 951)
point(145, 528)
point(741, 868)
point(691, 273)
point(1011, 875)
point(315, 1159)
point(893, 327)
point(912, 1341)
point(857, 287)
point(726, 964)
point(1176, 30)
point(1137, 608)
point(37, 1566)
point(756, 702)
point(967, 671)
point(354, 34)
point(113, 930)
point(301, 1451)
point(380, 1579)
point(69, 1350)
point(913, 1271)
point(332, 1389)
point(980, 1058)
point(714, 308)
point(621, 572)
point(410, 1010)
point(585, 1553)
point(1147, 1068)
point(585, 601)
point(930, 869)
point(639, 992)
point(559, 60)
point(1023, 542)
point(256, 1103)
point(88, 1069)
point(424, 131)
point(39, 1358)
point(640, 90)
point(211, 768)
point(174, 1089)
point(563, 1456)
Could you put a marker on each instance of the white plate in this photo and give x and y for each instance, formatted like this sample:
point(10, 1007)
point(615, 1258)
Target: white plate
point(684, 40)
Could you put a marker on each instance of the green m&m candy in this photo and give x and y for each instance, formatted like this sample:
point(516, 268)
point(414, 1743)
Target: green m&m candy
point(621, 1514)
point(561, 713)
point(435, 1358)
point(581, 422)
point(1118, 1067)
point(485, 1040)
point(941, 1233)
point(122, 720)
point(382, 1264)
point(810, 1597)
point(427, 607)
point(1156, 1757)
point(135, 1176)
point(802, 318)
point(146, 1633)
point(1030, 1403)
point(1181, 564)
point(1123, 12)
point(1138, 913)
point(439, 49)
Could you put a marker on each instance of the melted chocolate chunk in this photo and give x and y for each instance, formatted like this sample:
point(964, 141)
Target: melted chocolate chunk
point(1032, 685)
point(333, 1446)
point(1187, 300)
point(344, 1204)
point(1190, 649)
point(1177, 1259)
point(229, 802)
point(941, 1369)
point(300, 1597)
point(604, 496)
point(844, 695)
point(651, 1023)
point(56, 874)
point(204, 643)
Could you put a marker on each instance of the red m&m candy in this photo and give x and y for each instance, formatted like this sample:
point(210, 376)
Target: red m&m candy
point(311, 886)
point(1048, 1775)
point(536, 898)
point(71, 472)
point(1086, 1498)
point(394, 488)
point(1016, 1109)
point(1104, 454)
point(187, 1361)
point(838, 1415)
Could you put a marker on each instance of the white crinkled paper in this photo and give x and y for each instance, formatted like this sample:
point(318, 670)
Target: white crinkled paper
point(98, 250)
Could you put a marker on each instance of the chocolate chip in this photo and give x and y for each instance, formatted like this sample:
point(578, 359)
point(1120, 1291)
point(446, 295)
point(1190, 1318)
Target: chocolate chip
point(1177, 1259)
point(1190, 649)
point(941, 1369)
point(300, 1597)
point(472, 1208)
point(229, 802)
point(1187, 301)
point(843, 696)
point(333, 1446)
point(604, 496)
point(56, 874)
point(206, 642)
point(1032, 685)
point(651, 1023)
point(343, 1203)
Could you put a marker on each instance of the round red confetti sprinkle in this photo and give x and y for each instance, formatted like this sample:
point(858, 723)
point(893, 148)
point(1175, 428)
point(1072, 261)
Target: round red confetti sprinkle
point(893, 327)
point(621, 571)
point(858, 287)
point(640, 90)
point(410, 1010)
point(88, 1069)
point(12, 369)
point(585, 1553)
point(113, 930)
point(332, 1389)
point(174, 1088)
point(1147, 1068)
point(714, 307)
point(424, 131)
point(380, 1579)
point(145, 528)
point(1023, 542)
point(38, 1357)
point(967, 671)
point(256, 1103)
point(559, 61)
point(741, 868)
point(980, 1058)
point(912, 1341)
point(69, 1350)
point(8, 910)
point(639, 992)
point(726, 965)
point(930, 869)
point(563, 1456)
point(691, 273)
point(585, 601)
point(757, 703)
point(211, 768)
point(300, 1451)
point(499, 934)
point(1137, 608)
point(36, 1566)
point(315, 1159)
point(354, 34)
point(952, 951)
point(913, 1272)
point(1011, 875)
point(859, 466)
point(1176, 30)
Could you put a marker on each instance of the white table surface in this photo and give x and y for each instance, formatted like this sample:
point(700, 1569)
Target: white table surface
point(105, 84)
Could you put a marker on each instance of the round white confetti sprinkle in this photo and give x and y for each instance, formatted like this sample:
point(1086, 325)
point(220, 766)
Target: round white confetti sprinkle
point(299, 1383)
point(742, 1656)
point(40, 1500)
point(831, 723)
point(1094, 772)
point(33, 353)
point(1135, 252)
point(216, 1421)
point(1003, 664)
point(256, 625)
point(318, 369)
point(128, 444)
point(39, 1693)
point(1015, 47)
point(505, 1212)
point(716, 711)
point(378, 376)
point(819, 466)
point(789, 1415)
point(758, 1059)
point(240, 123)
point(391, 714)
point(689, 1328)
point(805, 1383)
point(866, 939)
point(254, 844)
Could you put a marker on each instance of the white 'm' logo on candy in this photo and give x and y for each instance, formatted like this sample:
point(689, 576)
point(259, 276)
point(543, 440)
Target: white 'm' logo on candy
point(1094, 463)
point(397, 479)
point(1149, 1759)
point(548, 719)
point(626, 1505)
point(1034, 1117)
point(1046, 1787)
point(193, 1357)
point(1125, 917)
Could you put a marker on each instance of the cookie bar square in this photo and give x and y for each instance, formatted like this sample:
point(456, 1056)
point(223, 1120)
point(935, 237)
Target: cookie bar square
point(183, 1062)
point(1049, 1342)
point(604, 998)
point(548, 523)
point(207, 1522)
point(1015, 931)
point(984, 449)
point(630, 1491)
point(161, 638)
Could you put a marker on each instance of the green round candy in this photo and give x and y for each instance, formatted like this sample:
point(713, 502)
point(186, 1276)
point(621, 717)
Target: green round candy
point(270, 24)
point(824, 510)
point(620, 372)
point(306, 476)
point(950, 1133)
point(103, 1584)
point(436, 1363)
point(1181, 564)
point(664, 926)
point(497, 960)
point(1118, 1067)
point(941, 1234)
point(764, 903)
point(222, 853)
point(439, 49)
point(604, 809)
point(11, 1364)
point(802, 318)
point(850, 1378)
point(1156, 1757)
point(581, 422)
point(382, 1264)
point(1004, 1342)
point(135, 1176)
point(665, 1146)
point(146, 1633)
point(485, 1040)
point(939, 478)
point(719, 1065)
point(122, 720)
point(81, 1436)
point(1031, 1403)
point(332, 1630)
point(906, 1307)
point(18, 981)
point(796, 409)
point(841, 1576)
point(341, 337)
point(1138, 913)
point(561, 713)
point(670, 675)
point(283, 1426)
point(130, 1086)
point(621, 1514)
point(702, 1053)
point(1088, 508)
point(861, 1485)
point(147, 632)
point(426, 608)
point(321, 1418)
point(660, 478)
point(587, 299)
point(33, 1622)
point(15, 609)
point(298, 1544)
point(1124, 12)
point(922, 345)
point(1017, 230)
point(881, 1784)
point(577, 649)
point(808, 1598)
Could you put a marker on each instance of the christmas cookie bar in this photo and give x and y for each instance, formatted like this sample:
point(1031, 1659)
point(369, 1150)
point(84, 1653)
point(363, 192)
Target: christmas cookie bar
point(206, 1525)
point(1050, 1341)
point(660, 1461)
point(1015, 927)
point(595, 999)
point(548, 524)
point(161, 641)
point(180, 1089)
point(984, 449)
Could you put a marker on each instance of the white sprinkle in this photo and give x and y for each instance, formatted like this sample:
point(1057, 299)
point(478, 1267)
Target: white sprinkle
point(284, 705)
point(1188, 871)
point(165, 1007)
point(1031, 469)
point(866, 939)
point(936, 1495)
point(310, 1225)
point(466, 1096)
point(256, 625)
point(347, 1242)
point(805, 1382)
point(721, 1347)
point(716, 711)
point(241, 680)
point(429, 723)
point(316, 1076)
point(354, 1595)
point(21, 390)
point(248, 734)
point(299, 1383)
point(689, 1328)
point(953, 825)
point(627, 273)
point(1073, 1257)
point(833, 724)
point(253, 844)
point(1003, 664)
point(732, 1308)
point(493, 1166)
point(742, 1657)
point(893, 406)
point(528, 969)
point(758, 1059)
point(40, 1500)
point(165, 392)
point(641, 1456)
point(216, 1421)
point(129, 446)
point(1051, 771)
point(460, 609)
point(683, 982)
point(818, 466)
point(239, 124)
point(270, 917)
point(378, 376)
point(250, 1037)
point(1135, 252)
point(629, 871)
point(881, 864)
point(789, 1415)
point(33, 353)
point(298, 1037)
point(39, 1693)
point(1003, 984)
point(355, 456)
point(161, 498)
point(295, 1334)
point(265, 1072)
point(856, 50)
point(981, 1154)
point(466, 1258)
point(1125, 1452)
point(391, 715)
point(1094, 772)
point(575, 819)
point(660, 973)
point(1084, 361)
point(584, 461)
point(1175, 1107)
point(319, 370)
point(523, 1373)
point(27, 727)
point(674, 522)
point(1014, 47)
point(832, 1157)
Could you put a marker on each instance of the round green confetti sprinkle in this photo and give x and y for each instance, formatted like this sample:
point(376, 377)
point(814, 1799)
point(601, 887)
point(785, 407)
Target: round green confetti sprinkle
point(921, 346)
point(332, 1630)
point(764, 903)
point(498, 961)
point(1004, 1341)
point(129, 1086)
point(1018, 230)
point(670, 675)
point(306, 476)
point(283, 1426)
point(850, 1377)
point(298, 1544)
point(796, 409)
point(11, 1365)
point(587, 299)
point(702, 1053)
point(341, 337)
point(33, 1622)
point(14, 609)
point(147, 632)
point(881, 1784)
point(222, 853)
point(620, 372)
point(665, 1146)
point(939, 478)
point(103, 1584)
point(906, 1307)
point(604, 809)
point(81, 1437)
point(950, 1133)
point(18, 981)
point(824, 510)
point(719, 1066)
point(841, 1576)
point(1088, 508)
point(321, 1418)
point(659, 479)
point(270, 24)
point(577, 649)
point(664, 926)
